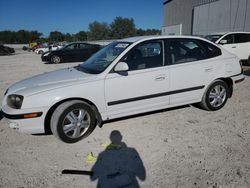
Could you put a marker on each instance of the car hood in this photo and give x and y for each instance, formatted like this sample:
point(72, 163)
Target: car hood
point(50, 80)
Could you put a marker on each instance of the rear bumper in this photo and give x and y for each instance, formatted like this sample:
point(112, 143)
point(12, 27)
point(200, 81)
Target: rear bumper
point(237, 79)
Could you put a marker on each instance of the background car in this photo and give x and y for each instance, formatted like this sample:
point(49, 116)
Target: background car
point(72, 52)
point(5, 50)
point(48, 48)
point(237, 43)
point(36, 47)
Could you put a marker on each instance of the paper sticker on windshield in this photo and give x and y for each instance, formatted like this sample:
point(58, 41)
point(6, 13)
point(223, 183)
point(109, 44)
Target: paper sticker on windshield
point(121, 45)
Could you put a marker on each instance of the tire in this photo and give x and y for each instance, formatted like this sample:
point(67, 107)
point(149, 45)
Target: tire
point(40, 52)
point(55, 59)
point(215, 97)
point(73, 121)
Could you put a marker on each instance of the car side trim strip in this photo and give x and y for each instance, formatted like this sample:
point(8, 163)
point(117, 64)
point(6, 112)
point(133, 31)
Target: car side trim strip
point(22, 116)
point(154, 95)
point(237, 75)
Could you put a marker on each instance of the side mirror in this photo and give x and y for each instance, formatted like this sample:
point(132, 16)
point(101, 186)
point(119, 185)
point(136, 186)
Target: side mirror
point(223, 41)
point(121, 67)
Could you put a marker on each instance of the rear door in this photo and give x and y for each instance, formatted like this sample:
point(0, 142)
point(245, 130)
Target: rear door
point(192, 68)
point(242, 45)
point(83, 52)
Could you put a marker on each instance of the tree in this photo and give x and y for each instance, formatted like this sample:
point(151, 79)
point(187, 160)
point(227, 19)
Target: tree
point(68, 37)
point(122, 27)
point(81, 36)
point(34, 36)
point(98, 31)
point(21, 36)
point(153, 32)
point(56, 36)
point(140, 32)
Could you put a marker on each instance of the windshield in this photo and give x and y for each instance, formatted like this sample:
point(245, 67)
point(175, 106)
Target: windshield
point(213, 38)
point(103, 58)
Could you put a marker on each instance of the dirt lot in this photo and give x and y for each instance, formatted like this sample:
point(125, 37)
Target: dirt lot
point(184, 147)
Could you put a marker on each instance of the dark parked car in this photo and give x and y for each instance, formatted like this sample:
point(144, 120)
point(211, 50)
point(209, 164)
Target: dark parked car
point(72, 52)
point(5, 50)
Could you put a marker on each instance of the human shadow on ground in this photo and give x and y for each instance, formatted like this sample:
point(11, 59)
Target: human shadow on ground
point(118, 166)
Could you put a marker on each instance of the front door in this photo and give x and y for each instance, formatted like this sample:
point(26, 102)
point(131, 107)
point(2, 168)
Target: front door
point(144, 87)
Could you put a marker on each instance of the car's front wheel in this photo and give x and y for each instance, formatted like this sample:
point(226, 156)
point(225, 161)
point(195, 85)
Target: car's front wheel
point(73, 121)
point(215, 96)
point(55, 59)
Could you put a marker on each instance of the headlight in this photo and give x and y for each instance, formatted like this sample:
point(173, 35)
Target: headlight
point(15, 101)
point(46, 54)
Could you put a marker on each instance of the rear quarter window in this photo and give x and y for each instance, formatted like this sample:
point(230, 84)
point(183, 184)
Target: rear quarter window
point(211, 50)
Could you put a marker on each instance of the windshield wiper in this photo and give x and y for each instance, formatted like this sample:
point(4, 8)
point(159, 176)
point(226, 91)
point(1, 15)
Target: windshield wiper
point(86, 70)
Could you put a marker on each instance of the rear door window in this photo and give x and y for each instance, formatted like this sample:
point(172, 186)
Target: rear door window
point(185, 50)
point(190, 50)
point(242, 37)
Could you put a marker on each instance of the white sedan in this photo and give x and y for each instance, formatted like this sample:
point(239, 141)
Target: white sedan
point(127, 77)
point(46, 49)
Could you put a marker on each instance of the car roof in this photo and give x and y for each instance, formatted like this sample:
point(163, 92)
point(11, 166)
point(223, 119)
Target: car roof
point(232, 32)
point(142, 38)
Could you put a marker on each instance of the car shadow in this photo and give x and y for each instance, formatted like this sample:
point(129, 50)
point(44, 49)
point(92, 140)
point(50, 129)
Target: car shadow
point(48, 131)
point(149, 113)
point(117, 166)
point(65, 63)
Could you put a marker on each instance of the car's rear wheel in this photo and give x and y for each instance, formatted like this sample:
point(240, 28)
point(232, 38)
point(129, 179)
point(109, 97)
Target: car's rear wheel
point(73, 121)
point(215, 96)
point(55, 59)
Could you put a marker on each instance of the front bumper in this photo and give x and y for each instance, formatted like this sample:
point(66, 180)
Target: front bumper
point(45, 58)
point(25, 121)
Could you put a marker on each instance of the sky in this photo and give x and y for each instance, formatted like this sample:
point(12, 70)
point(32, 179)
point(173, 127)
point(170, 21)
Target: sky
point(73, 16)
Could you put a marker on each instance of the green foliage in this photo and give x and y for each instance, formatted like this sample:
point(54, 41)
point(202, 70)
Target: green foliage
point(98, 31)
point(81, 36)
point(56, 36)
point(122, 27)
point(21, 36)
point(119, 28)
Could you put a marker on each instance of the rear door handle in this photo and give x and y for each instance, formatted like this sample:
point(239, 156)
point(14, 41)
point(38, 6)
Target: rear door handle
point(208, 69)
point(160, 78)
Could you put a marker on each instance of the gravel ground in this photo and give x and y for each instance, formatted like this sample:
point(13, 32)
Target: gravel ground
point(182, 147)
